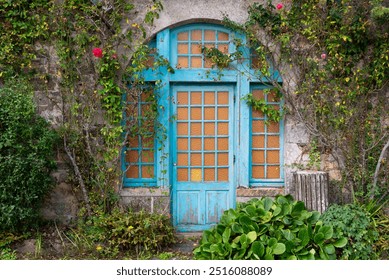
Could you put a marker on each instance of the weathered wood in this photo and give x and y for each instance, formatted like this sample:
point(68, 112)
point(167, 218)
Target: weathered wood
point(311, 187)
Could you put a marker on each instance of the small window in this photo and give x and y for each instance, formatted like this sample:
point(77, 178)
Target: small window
point(191, 42)
point(139, 158)
point(266, 142)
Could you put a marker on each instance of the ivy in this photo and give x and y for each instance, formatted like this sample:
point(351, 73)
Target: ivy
point(338, 54)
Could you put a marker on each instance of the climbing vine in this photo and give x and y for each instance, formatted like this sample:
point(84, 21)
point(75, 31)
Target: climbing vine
point(333, 57)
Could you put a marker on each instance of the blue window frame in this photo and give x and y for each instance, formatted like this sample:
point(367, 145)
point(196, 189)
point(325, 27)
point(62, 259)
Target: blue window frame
point(139, 154)
point(182, 47)
point(266, 142)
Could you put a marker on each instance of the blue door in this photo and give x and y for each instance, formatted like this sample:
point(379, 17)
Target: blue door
point(202, 155)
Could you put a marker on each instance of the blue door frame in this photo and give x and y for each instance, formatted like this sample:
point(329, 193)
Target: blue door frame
point(203, 169)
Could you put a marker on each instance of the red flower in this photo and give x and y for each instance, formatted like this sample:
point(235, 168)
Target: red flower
point(97, 52)
point(279, 6)
point(114, 56)
point(323, 56)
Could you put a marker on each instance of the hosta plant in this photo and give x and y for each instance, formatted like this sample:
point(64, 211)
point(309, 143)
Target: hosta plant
point(266, 228)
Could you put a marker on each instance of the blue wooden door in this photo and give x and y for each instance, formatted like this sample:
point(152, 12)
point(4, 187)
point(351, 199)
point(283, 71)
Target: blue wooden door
point(202, 155)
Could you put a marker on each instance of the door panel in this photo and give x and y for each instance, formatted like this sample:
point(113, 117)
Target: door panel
point(203, 145)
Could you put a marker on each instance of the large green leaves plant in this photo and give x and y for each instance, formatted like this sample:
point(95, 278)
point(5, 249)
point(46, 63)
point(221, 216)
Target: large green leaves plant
point(269, 229)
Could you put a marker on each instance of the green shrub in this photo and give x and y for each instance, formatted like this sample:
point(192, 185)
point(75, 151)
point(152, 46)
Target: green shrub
point(26, 158)
point(353, 222)
point(126, 232)
point(269, 229)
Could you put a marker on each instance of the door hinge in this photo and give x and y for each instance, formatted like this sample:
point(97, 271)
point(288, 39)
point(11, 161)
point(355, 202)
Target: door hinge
point(233, 159)
point(234, 98)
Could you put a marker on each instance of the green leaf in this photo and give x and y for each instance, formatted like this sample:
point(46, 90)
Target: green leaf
point(340, 243)
point(252, 236)
point(267, 203)
point(272, 242)
point(279, 249)
point(327, 231)
point(329, 249)
point(237, 228)
point(288, 234)
point(297, 209)
point(303, 236)
point(258, 248)
point(319, 238)
point(226, 235)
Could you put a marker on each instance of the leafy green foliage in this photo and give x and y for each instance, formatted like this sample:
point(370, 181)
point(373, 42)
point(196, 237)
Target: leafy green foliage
point(22, 23)
point(109, 234)
point(338, 53)
point(26, 158)
point(269, 229)
point(353, 222)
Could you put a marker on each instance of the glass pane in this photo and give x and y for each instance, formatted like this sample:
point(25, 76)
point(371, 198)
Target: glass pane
point(182, 36)
point(195, 159)
point(258, 126)
point(209, 98)
point(223, 48)
point(222, 174)
point(209, 144)
point(209, 174)
point(258, 172)
point(273, 127)
point(209, 128)
point(222, 36)
point(222, 144)
point(195, 129)
point(258, 156)
point(182, 97)
point(209, 159)
point(258, 141)
point(195, 175)
point(148, 156)
point(273, 141)
point(222, 97)
point(222, 128)
point(222, 159)
point(258, 94)
point(182, 62)
point(182, 144)
point(182, 159)
point(182, 113)
point(209, 35)
point(182, 128)
point(196, 35)
point(195, 113)
point(209, 113)
point(148, 171)
point(195, 144)
point(196, 62)
point(182, 174)
point(132, 171)
point(195, 97)
point(273, 157)
point(222, 113)
point(195, 48)
point(273, 172)
point(182, 48)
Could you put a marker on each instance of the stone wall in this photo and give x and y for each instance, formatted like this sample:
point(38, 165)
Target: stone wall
point(62, 204)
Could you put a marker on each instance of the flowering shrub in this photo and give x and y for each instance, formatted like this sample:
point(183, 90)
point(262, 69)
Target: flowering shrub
point(97, 52)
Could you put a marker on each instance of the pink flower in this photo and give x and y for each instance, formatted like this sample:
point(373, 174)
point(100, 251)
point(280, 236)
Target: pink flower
point(323, 56)
point(97, 52)
point(114, 56)
point(279, 6)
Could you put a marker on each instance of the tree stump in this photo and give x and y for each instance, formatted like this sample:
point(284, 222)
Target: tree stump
point(311, 187)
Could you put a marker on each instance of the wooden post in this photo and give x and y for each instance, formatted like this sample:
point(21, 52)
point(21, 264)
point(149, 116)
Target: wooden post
point(311, 187)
